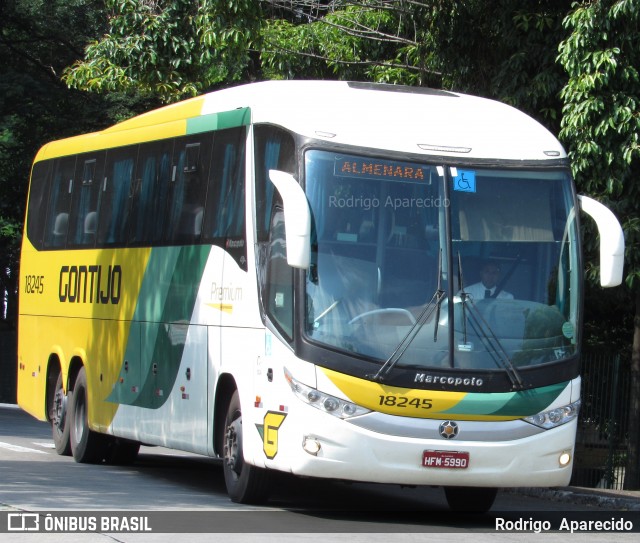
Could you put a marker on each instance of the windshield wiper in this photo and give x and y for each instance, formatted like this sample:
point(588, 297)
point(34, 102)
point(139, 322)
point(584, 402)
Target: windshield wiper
point(433, 305)
point(484, 331)
point(439, 301)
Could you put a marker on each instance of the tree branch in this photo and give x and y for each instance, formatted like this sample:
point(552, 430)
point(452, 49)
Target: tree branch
point(325, 58)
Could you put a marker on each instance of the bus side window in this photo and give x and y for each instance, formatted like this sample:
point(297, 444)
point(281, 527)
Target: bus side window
point(115, 196)
point(275, 150)
point(192, 156)
point(279, 301)
point(38, 200)
point(84, 205)
point(60, 202)
point(153, 176)
point(225, 215)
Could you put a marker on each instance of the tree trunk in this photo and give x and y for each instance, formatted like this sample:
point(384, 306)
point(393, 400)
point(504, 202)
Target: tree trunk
point(632, 473)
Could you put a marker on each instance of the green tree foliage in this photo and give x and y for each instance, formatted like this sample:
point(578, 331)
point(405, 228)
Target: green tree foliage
point(38, 39)
point(601, 124)
point(507, 52)
point(171, 49)
point(366, 40)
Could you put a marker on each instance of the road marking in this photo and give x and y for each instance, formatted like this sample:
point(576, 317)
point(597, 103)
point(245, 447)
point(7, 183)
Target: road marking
point(18, 448)
point(44, 444)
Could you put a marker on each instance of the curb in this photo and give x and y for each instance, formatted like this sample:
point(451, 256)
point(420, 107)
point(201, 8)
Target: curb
point(606, 499)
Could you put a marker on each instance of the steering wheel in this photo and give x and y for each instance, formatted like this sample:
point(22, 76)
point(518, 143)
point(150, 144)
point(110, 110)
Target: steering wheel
point(384, 312)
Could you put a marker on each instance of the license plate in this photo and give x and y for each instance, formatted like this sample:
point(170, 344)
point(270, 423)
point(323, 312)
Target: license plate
point(445, 459)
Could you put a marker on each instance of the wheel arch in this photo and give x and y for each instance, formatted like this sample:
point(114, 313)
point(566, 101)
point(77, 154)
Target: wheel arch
point(74, 368)
point(54, 368)
point(224, 390)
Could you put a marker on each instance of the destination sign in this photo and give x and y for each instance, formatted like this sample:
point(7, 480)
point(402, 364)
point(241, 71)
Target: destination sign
point(366, 168)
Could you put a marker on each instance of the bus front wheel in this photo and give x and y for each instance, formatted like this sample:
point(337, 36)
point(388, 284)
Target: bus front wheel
point(470, 499)
point(58, 415)
point(86, 445)
point(245, 483)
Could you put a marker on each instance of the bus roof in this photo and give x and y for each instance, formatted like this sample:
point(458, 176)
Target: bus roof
point(386, 117)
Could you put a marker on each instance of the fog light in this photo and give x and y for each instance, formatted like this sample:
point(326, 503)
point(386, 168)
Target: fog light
point(311, 445)
point(564, 459)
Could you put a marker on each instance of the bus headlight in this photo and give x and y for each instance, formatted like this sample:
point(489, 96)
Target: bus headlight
point(555, 417)
point(324, 402)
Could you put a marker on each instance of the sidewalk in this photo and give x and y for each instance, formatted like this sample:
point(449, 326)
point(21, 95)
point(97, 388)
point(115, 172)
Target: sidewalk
point(621, 500)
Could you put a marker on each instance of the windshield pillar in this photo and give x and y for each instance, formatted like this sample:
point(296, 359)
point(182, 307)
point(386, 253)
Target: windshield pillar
point(447, 250)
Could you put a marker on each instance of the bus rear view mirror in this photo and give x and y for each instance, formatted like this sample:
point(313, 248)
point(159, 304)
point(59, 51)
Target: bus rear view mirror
point(297, 217)
point(611, 241)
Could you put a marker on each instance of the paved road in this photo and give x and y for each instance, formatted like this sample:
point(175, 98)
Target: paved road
point(181, 492)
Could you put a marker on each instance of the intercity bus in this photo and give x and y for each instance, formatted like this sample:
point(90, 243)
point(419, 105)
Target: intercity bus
point(283, 275)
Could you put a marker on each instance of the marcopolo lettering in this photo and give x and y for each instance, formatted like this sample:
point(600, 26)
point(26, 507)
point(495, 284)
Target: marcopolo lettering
point(448, 380)
point(90, 284)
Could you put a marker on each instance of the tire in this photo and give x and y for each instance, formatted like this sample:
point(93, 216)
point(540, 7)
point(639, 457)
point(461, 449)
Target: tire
point(470, 499)
point(87, 446)
point(59, 417)
point(245, 483)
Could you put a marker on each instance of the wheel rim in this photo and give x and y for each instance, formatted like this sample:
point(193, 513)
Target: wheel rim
point(59, 409)
point(233, 447)
point(79, 418)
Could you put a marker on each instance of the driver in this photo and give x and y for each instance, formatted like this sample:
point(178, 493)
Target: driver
point(487, 286)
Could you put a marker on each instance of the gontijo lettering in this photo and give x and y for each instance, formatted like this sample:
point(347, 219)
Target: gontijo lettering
point(93, 284)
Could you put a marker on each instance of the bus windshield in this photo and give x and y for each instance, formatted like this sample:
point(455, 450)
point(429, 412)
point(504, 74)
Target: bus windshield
point(434, 266)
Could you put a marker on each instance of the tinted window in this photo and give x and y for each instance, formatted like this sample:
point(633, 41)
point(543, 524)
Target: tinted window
point(153, 177)
point(275, 150)
point(225, 200)
point(60, 202)
point(188, 188)
point(38, 199)
point(116, 196)
point(85, 200)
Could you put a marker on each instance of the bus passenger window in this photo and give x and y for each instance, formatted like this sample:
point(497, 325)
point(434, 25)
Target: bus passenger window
point(149, 209)
point(83, 222)
point(225, 216)
point(188, 188)
point(115, 196)
point(60, 202)
point(38, 195)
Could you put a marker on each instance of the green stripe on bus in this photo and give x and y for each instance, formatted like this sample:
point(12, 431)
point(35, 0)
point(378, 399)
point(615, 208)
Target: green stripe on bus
point(219, 121)
point(509, 404)
point(160, 323)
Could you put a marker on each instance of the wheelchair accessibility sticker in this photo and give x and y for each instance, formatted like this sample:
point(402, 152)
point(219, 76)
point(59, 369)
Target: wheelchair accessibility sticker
point(465, 181)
